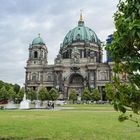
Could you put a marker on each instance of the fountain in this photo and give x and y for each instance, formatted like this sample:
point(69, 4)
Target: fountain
point(10, 105)
point(37, 104)
point(24, 104)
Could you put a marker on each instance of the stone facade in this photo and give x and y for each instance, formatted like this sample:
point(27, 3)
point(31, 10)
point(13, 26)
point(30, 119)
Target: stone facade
point(78, 64)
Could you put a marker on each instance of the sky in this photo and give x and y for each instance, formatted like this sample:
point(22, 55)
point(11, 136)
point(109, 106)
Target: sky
point(22, 20)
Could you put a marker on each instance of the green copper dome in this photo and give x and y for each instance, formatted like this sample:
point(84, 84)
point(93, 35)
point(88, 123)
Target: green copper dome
point(38, 41)
point(81, 33)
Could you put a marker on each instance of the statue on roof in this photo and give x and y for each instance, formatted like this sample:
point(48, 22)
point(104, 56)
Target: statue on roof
point(58, 59)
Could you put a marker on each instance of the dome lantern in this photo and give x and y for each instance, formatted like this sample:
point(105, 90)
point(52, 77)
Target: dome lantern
point(81, 21)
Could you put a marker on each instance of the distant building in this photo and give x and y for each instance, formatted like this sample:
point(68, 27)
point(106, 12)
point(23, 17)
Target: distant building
point(77, 65)
point(108, 42)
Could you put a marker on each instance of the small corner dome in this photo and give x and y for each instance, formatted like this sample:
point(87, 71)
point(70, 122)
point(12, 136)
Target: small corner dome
point(38, 41)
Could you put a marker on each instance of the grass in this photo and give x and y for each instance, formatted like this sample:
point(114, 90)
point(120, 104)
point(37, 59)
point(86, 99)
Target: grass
point(66, 125)
point(90, 107)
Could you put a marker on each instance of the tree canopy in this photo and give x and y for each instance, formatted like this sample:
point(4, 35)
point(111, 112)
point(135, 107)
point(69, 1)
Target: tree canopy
point(16, 87)
point(95, 96)
point(86, 94)
point(125, 52)
point(53, 94)
point(11, 94)
point(10, 91)
point(20, 95)
point(3, 94)
point(73, 95)
point(42, 93)
point(31, 94)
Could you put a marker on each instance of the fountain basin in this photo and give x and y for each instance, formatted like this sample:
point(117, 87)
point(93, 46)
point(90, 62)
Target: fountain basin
point(25, 104)
point(10, 105)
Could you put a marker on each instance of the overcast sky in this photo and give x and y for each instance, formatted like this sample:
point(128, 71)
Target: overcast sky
point(22, 20)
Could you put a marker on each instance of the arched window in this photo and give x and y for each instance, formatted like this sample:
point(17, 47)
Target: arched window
point(49, 78)
point(78, 37)
point(45, 54)
point(76, 79)
point(35, 54)
point(34, 77)
point(93, 38)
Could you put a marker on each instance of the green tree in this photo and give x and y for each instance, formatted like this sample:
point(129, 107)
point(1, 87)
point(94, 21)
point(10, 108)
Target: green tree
point(86, 94)
point(73, 95)
point(1, 84)
point(19, 96)
point(11, 94)
point(48, 96)
point(42, 93)
point(8, 86)
point(95, 96)
point(3, 94)
point(125, 51)
point(53, 94)
point(31, 95)
point(16, 88)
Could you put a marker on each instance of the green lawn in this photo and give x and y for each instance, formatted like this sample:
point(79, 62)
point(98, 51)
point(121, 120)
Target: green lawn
point(90, 107)
point(66, 125)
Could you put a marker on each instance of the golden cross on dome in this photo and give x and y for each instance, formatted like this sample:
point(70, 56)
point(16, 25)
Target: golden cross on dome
point(81, 16)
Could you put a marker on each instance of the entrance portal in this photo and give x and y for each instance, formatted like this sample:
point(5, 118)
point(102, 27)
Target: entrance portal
point(76, 82)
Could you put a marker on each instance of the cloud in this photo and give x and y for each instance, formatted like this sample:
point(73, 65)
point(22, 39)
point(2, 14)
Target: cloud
point(22, 20)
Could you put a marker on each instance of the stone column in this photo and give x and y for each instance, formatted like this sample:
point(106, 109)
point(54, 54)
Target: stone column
point(30, 55)
point(100, 90)
point(95, 78)
point(26, 77)
point(82, 53)
point(54, 78)
point(92, 78)
point(65, 92)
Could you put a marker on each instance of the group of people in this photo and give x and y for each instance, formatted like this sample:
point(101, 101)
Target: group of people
point(50, 105)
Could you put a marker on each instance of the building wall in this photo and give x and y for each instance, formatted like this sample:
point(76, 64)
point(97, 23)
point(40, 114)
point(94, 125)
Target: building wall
point(89, 70)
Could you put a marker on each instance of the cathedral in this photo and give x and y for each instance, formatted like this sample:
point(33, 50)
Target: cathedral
point(77, 65)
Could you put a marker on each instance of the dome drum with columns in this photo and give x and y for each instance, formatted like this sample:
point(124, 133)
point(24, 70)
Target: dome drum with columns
point(77, 65)
point(85, 39)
